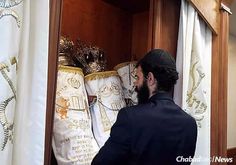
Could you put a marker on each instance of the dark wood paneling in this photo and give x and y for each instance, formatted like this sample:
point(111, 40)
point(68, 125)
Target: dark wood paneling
point(170, 25)
point(165, 24)
point(151, 25)
point(100, 24)
point(214, 97)
point(132, 6)
point(231, 153)
point(140, 35)
point(156, 19)
point(223, 82)
point(219, 89)
point(54, 32)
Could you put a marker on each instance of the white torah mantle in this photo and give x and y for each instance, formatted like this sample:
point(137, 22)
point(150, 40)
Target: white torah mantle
point(73, 141)
point(106, 86)
point(126, 72)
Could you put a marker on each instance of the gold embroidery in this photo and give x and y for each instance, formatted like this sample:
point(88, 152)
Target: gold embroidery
point(194, 102)
point(63, 108)
point(127, 73)
point(9, 81)
point(7, 4)
point(116, 104)
point(12, 13)
point(194, 83)
point(82, 124)
point(105, 92)
point(7, 127)
point(81, 147)
point(13, 60)
point(3, 67)
point(78, 103)
point(75, 83)
point(106, 123)
point(60, 91)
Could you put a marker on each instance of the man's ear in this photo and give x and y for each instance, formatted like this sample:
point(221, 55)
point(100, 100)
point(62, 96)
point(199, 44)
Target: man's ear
point(151, 83)
point(151, 79)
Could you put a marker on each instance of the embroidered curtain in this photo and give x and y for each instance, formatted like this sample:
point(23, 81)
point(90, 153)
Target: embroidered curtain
point(11, 13)
point(193, 89)
point(24, 27)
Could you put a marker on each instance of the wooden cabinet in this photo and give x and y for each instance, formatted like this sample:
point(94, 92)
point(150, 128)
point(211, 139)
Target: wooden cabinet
point(121, 31)
point(124, 29)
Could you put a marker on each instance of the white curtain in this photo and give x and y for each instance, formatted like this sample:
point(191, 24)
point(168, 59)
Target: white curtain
point(11, 16)
point(24, 26)
point(193, 89)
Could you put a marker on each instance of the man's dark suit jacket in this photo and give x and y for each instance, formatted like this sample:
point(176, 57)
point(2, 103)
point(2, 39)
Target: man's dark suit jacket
point(155, 133)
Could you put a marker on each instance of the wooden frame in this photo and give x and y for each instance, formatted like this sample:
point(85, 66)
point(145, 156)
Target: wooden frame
point(54, 33)
point(209, 12)
point(219, 74)
point(219, 88)
point(219, 91)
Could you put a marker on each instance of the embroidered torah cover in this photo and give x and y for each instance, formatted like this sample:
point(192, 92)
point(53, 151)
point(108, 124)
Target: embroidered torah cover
point(73, 141)
point(126, 72)
point(106, 86)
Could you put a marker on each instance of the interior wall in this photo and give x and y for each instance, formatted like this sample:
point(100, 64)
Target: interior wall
point(166, 25)
point(231, 113)
point(140, 34)
point(98, 23)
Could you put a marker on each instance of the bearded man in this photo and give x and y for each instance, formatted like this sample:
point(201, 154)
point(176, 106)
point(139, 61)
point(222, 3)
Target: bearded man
point(156, 131)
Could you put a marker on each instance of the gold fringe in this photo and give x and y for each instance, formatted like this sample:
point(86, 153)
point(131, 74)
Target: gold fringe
point(99, 75)
point(124, 64)
point(71, 69)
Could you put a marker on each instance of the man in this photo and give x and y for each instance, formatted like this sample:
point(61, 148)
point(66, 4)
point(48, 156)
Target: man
point(156, 131)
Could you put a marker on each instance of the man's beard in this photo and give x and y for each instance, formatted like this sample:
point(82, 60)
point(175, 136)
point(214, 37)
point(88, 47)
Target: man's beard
point(142, 93)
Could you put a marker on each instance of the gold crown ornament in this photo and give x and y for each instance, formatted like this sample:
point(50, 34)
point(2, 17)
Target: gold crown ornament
point(91, 58)
point(66, 48)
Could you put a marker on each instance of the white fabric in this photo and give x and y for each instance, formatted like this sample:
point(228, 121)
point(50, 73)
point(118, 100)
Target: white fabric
point(126, 72)
point(110, 99)
point(7, 110)
point(193, 90)
point(31, 84)
point(10, 33)
point(73, 141)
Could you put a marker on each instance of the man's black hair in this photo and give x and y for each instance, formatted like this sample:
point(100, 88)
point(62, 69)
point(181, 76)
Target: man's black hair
point(163, 67)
